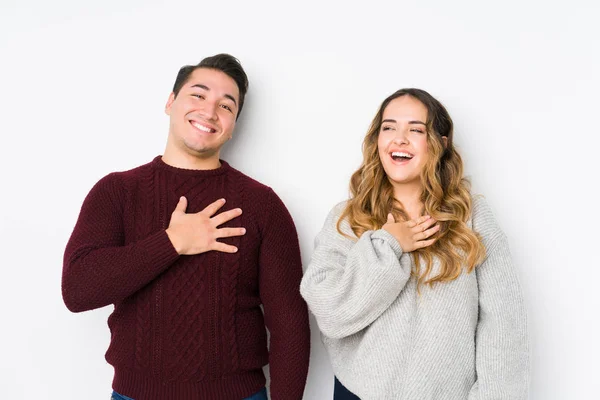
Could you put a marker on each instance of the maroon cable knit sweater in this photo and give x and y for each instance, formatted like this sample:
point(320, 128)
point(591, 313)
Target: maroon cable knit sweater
point(191, 327)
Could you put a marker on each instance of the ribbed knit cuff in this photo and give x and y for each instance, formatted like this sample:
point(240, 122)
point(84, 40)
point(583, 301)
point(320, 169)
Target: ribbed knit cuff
point(159, 248)
point(389, 239)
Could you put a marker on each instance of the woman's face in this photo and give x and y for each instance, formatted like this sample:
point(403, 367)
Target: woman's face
point(402, 141)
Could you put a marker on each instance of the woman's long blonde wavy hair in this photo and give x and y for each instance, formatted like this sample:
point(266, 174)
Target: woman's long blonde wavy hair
point(446, 195)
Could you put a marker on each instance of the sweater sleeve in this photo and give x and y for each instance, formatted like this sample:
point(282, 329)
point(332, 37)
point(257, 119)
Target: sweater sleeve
point(502, 356)
point(98, 268)
point(286, 313)
point(349, 284)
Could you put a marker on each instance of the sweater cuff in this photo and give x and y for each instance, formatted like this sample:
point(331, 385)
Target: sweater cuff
point(389, 239)
point(160, 249)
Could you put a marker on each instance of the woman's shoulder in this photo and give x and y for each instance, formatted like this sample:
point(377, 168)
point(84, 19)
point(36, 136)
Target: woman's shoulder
point(481, 212)
point(335, 213)
point(483, 221)
point(337, 210)
point(333, 217)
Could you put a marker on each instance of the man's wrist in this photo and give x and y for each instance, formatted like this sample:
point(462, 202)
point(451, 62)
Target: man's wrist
point(173, 240)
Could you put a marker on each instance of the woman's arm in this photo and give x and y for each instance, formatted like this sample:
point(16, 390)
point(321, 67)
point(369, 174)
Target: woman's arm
point(349, 284)
point(502, 351)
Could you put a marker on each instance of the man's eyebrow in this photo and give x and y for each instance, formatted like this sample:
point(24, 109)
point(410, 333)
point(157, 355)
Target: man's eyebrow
point(231, 98)
point(201, 86)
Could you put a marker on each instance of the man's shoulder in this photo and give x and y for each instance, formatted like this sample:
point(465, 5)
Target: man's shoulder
point(124, 179)
point(259, 197)
point(130, 174)
point(250, 184)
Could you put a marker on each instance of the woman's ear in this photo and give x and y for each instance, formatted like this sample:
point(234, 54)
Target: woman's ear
point(445, 140)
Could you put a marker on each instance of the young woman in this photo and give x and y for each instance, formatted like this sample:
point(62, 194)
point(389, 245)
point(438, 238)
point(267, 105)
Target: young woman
point(411, 281)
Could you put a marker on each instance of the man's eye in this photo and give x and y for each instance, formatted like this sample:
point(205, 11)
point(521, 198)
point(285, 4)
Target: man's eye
point(225, 106)
point(198, 96)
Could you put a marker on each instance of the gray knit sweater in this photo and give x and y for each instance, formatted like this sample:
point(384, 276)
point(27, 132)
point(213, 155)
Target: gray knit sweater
point(462, 340)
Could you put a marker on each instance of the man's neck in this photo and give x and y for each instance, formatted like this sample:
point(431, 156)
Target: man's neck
point(189, 161)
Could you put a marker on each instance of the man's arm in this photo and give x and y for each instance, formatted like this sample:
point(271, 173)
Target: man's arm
point(286, 313)
point(98, 268)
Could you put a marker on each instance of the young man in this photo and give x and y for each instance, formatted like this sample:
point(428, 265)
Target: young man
point(187, 249)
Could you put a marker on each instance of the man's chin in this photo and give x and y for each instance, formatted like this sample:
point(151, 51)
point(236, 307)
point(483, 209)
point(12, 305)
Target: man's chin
point(202, 151)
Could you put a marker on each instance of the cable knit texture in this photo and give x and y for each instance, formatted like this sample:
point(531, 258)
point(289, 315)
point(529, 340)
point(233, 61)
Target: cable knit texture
point(461, 340)
point(191, 327)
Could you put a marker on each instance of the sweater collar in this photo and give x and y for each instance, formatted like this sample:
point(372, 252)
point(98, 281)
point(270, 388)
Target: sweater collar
point(160, 164)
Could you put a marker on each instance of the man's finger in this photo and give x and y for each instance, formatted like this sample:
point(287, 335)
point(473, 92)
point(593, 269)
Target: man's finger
point(226, 216)
point(224, 248)
point(229, 232)
point(181, 205)
point(212, 208)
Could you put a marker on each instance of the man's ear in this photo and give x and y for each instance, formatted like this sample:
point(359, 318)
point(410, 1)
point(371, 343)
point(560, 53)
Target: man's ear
point(169, 103)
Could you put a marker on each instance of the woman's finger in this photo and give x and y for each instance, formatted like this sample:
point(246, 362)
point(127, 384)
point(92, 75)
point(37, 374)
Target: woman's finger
point(424, 243)
point(390, 219)
point(427, 233)
point(418, 221)
point(423, 226)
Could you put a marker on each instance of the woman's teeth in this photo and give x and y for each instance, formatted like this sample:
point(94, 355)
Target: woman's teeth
point(400, 156)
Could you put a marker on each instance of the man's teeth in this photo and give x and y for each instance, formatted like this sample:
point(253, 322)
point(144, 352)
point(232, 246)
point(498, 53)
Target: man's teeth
point(202, 127)
point(400, 154)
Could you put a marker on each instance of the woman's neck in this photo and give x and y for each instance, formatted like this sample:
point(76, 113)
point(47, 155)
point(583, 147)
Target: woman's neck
point(410, 197)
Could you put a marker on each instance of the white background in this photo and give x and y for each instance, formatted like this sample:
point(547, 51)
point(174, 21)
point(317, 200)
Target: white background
point(82, 91)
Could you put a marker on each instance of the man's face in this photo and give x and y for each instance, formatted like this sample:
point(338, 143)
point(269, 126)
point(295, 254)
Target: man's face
point(202, 116)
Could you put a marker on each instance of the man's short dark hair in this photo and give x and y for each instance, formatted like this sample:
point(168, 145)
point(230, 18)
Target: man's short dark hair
point(225, 63)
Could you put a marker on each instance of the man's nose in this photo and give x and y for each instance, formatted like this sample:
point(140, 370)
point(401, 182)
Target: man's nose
point(209, 110)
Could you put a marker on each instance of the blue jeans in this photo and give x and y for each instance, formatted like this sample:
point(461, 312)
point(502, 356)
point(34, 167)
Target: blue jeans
point(340, 392)
point(117, 396)
point(262, 395)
